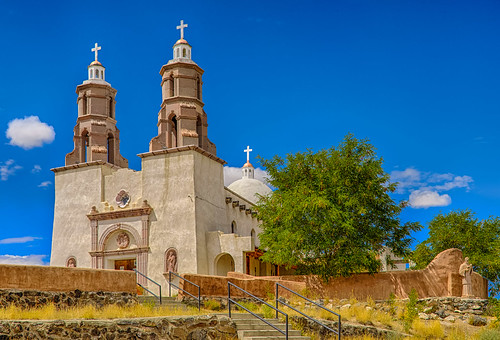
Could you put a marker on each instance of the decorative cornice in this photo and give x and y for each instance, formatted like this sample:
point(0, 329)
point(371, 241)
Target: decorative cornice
point(119, 252)
point(84, 165)
point(179, 64)
point(183, 149)
point(122, 213)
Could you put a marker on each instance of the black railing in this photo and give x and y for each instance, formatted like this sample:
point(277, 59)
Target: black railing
point(229, 284)
point(145, 288)
point(170, 284)
point(338, 331)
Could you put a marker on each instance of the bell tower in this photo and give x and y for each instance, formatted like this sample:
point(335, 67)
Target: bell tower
point(96, 136)
point(182, 120)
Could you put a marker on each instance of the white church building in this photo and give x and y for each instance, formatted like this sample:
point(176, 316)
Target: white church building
point(175, 213)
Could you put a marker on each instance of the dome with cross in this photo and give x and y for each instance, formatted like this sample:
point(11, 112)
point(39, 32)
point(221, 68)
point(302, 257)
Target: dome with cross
point(248, 187)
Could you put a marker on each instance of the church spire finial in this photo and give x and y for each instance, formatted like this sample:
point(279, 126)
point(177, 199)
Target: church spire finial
point(95, 69)
point(96, 50)
point(248, 150)
point(181, 27)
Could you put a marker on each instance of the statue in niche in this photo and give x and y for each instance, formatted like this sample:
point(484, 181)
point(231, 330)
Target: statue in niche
point(71, 263)
point(122, 240)
point(465, 271)
point(171, 260)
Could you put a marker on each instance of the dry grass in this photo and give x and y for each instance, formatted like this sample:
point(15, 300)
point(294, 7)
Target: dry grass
point(427, 330)
point(50, 312)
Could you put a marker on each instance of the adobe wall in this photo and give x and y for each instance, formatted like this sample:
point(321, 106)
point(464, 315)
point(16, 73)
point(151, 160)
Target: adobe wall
point(439, 279)
point(62, 279)
point(217, 285)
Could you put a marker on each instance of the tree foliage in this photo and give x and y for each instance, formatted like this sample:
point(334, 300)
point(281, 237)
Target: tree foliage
point(478, 240)
point(331, 213)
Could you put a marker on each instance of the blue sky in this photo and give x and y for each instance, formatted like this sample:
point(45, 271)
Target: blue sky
point(419, 79)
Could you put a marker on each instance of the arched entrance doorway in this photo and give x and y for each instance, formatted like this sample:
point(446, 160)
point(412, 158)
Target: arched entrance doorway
point(224, 263)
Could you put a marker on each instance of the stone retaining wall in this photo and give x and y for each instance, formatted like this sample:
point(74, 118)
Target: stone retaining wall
point(192, 327)
point(33, 298)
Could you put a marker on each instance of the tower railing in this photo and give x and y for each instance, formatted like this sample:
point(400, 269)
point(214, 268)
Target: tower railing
point(278, 301)
point(150, 280)
point(230, 300)
point(170, 284)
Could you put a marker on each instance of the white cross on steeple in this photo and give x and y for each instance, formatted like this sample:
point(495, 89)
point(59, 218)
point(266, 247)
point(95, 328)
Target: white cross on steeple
point(248, 153)
point(96, 49)
point(181, 27)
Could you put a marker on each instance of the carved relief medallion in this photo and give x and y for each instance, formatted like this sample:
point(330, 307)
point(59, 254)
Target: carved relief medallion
point(122, 240)
point(122, 199)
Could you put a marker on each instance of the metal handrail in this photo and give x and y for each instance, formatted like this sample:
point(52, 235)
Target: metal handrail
point(156, 283)
point(229, 284)
point(338, 332)
point(185, 291)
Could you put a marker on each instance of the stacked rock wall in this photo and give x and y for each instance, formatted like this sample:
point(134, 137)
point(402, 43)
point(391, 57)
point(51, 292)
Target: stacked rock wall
point(34, 298)
point(193, 327)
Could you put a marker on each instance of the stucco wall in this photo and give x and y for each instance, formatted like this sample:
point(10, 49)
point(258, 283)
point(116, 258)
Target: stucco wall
point(439, 279)
point(77, 190)
point(217, 285)
point(58, 279)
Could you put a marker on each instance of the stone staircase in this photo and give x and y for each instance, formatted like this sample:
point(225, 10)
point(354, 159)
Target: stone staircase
point(251, 328)
point(169, 302)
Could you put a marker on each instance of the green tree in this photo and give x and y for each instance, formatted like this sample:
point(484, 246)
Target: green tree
point(331, 213)
point(478, 240)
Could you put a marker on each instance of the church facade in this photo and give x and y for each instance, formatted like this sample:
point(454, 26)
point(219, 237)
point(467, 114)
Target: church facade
point(175, 213)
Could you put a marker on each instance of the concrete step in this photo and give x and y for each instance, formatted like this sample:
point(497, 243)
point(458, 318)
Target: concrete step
point(260, 332)
point(166, 301)
point(276, 337)
point(251, 328)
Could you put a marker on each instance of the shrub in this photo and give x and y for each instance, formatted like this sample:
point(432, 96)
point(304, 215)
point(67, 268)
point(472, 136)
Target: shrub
point(411, 311)
point(212, 304)
point(489, 334)
point(431, 330)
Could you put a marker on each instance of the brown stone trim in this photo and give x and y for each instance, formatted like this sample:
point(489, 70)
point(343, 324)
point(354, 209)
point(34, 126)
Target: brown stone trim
point(182, 99)
point(182, 149)
point(111, 215)
point(137, 250)
point(178, 64)
point(83, 165)
point(84, 86)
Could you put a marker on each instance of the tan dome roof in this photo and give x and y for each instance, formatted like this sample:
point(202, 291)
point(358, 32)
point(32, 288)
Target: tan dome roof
point(248, 165)
point(248, 188)
point(181, 41)
point(95, 62)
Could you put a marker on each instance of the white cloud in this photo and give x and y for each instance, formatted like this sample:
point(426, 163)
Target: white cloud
point(7, 169)
point(407, 178)
point(36, 168)
point(428, 198)
point(44, 184)
point(36, 260)
point(29, 132)
point(24, 239)
point(426, 188)
point(457, 182)
point(232, 174)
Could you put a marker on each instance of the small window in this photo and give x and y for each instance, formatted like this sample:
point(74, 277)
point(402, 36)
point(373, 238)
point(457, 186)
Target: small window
point(233, 227)
point(91, 74)
point(184, 53)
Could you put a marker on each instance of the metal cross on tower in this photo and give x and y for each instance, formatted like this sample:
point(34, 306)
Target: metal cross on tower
point(248, 153)
point(181, 27)
point(96, 49)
